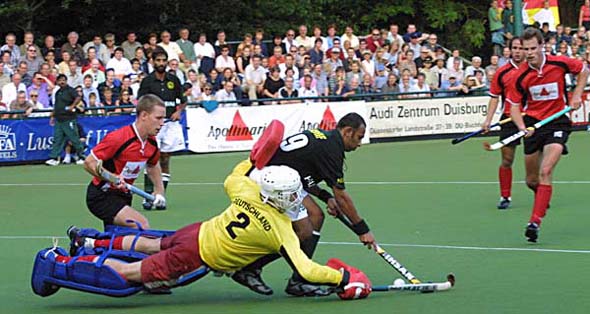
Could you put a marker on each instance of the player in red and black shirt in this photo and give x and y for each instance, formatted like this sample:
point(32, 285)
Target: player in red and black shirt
point(125, 152)
point(497, 90)
point(540, 86)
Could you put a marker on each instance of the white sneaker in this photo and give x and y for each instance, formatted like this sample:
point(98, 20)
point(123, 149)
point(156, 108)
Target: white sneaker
point(52, 162)
point(67, 159)
point(79, 162)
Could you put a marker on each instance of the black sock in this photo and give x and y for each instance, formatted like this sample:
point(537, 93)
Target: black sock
point(308, 246)
point(165, 179)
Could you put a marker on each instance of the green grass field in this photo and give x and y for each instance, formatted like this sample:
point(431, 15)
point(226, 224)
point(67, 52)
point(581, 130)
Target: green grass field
point(430, 204)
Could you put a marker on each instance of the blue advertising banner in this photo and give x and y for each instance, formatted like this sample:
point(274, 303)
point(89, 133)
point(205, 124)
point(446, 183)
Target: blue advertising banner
point(30, 140)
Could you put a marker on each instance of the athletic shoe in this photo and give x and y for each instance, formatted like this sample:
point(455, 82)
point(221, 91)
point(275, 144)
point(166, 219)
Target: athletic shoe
point(252, 280)
point(160, 207)
point(52, 162)
point(532, 232)
point(76, 241)
point(79, 162)
point(304, 289)
point(504, 202)
point(67, 159)
point(147, 205)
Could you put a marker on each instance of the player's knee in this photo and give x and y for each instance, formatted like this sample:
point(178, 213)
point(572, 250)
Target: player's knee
point(546, 172)
point(532, 183)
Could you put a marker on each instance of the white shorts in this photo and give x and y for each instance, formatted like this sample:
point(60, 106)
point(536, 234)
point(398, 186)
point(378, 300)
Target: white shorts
point(170, 138)
point(301, 213)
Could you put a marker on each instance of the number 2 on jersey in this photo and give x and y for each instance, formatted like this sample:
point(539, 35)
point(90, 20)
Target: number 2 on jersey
point(294, 142)
point(243, 222)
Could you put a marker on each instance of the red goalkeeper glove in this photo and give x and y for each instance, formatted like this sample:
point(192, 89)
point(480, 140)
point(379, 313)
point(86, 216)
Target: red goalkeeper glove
point(358, 285)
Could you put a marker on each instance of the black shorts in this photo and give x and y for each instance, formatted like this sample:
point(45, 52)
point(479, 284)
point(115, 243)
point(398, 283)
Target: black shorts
point(106, 204)
point(508, 129)
point(556, 131)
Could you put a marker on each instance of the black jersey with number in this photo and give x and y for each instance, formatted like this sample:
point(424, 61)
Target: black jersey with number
point(317, 155)
point(169, 90)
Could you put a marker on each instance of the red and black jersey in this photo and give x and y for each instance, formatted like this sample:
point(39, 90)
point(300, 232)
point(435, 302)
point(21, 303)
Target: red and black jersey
point(542, 91)
point(123, 152)
point(500, 81)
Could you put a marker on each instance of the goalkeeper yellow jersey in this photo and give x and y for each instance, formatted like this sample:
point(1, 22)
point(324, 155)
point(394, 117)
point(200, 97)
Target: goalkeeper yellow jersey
point(249, 229)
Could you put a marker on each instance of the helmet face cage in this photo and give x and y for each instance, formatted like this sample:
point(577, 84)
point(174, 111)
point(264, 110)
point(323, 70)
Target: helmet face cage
point(281, 188)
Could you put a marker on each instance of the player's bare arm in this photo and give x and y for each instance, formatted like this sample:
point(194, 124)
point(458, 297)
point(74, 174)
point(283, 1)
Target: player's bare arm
point(155, 174)
point(581, 80)
point(516, 115)
point(492, 106)
point(93, 165)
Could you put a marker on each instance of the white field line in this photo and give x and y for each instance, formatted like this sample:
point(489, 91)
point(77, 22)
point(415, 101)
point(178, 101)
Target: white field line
point(430, 246)
point(349, 183)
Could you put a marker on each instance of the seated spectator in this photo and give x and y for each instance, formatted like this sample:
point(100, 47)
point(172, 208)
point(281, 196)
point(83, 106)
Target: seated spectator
point(152, 42)
point(10, 91)
point(367, 86)
point(195, 80)
point(32, 59)
point(7, 65)
point(380, 78)
point(246, 42)
point(303, 39)
point(288, 92)
point(34, 99)
point(350, 58)
point(4, 77)
point(98, 76)
point(207, 93)
point(505, 58)
point(421, 87)
point(43, 88)
point(130, 45)
point(306, 90)
point(291, 73)
point(424, 54)
point(316, 54)
point(215, 80)
point(100, 49)
point(289, 64)
point(174, 70)
point(455, 56)
point(50, 60)
point(135, 70)
point(337, 46)
point(21, 103)
point(243, 61)
point(88, 88)
point(171, 47)
point(258, 40)
point(120, 64)
point(3, 108)
point(254, 78)
point(390, 87)
point(333, 62)
point(136, 84)
point(439, 73)
point(453, 85)
point(335, 78)
point(108, 100)
point(277, 57)
point(475, 66)
point(406, 85)
point(273, 83)
point(63, 66)
point(224, 60)
point(348, 35)
point(350, 91)
point(49, 45)
point(94, 103)
point(23, 70)
point(125, 100)
point(407, 63)
point(91, 55)
point(472, 84)
point(74, 48)
point(321, 79)
point(306, 71)
point(229, 75)
point(456, 70)
point(226, 94)
point(74, 74)
point(112, 83)
point(277, 41)
point(186, 46)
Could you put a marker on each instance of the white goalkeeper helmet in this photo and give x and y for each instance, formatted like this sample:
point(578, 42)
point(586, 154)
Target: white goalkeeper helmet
point(280, 186)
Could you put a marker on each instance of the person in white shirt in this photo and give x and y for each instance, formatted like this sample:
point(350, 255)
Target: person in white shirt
point(254, 78)
point(303, 39)
point(224, 60)
point(120, 64)
point(348, 35)
point(226, 94)
point(172, 48)
point(421, 87)
point(203, 49)
point(306, 90)
point(10, 90)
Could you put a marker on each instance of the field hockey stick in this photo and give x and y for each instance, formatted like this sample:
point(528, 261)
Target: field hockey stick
point(519, 134)
point(422, 287)
point(480, 131)
point(114, 179)
point(386, 256)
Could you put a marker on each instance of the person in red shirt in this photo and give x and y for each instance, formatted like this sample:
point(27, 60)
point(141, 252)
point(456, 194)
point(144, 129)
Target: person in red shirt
point(540, 86)
point(125, 152)
point(497, 90)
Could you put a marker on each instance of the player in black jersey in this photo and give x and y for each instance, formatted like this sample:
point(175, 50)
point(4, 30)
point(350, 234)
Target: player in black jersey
point(318, 156)
point(170, 138)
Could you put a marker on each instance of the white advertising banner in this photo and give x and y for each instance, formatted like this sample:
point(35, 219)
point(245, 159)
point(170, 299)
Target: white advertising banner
point(238, 128)
point(427, 116)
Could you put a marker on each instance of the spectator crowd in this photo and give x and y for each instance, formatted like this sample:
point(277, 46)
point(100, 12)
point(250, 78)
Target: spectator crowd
point(315, 66)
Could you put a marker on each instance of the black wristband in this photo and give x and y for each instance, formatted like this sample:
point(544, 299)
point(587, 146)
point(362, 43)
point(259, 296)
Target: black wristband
point(360, 228)
point(325, 196)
